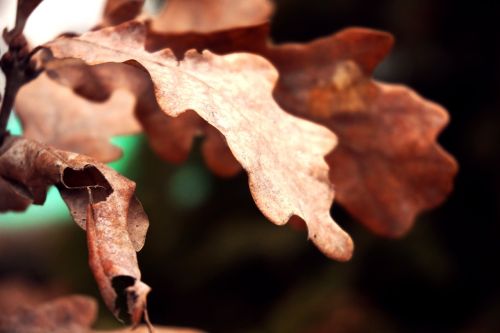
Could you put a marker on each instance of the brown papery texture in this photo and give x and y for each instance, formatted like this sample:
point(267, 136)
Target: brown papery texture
point(211, 15)
point(53, 114)
point(98, 197)
point(283, 155)
point(106, 80)
point(119, 11)
point(388, 166)
point(67, 314)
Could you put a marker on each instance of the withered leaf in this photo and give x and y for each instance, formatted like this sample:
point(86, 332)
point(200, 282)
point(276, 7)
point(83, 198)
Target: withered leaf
point(174, 147)
point(215, 151)
point(283, 155)
point(53, 114)
point(253, 38)
point(388, 166)
point(67, 314)
point(98, 198)
point(120, 284)
point(211, 15)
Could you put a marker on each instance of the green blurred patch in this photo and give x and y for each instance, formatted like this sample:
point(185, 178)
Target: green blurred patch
point(190, 185)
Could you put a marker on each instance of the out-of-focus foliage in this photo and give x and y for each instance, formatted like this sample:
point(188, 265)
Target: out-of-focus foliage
point(224, 269)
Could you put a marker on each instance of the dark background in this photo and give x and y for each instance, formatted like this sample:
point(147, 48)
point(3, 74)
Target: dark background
point(215, 263)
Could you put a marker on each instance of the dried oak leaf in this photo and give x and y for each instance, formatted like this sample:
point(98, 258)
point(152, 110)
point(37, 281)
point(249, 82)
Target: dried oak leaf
point(283, 155)
point(53, 114)
point(73, 314)
point(98, 198)
point(388, 166)
point(248, 39)
point(211, 15)
point(253, 38)
point(101, 80)
point(187, 23)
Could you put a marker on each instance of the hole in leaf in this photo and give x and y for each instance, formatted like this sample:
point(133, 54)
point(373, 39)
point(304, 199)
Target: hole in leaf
point(120, 284)
point(88, 177)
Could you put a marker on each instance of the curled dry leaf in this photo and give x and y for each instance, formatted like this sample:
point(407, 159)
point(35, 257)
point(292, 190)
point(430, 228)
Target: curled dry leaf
point(68, 314)
point(53, 114)
point(120, 284)
point(211, 15)
point(283, 155)
point(388, 166)
point(99, 199)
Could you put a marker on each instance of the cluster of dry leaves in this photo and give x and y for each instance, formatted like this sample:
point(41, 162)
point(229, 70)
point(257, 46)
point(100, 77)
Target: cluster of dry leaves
point(302, 120)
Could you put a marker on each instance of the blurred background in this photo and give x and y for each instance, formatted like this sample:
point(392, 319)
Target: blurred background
point(214, 262)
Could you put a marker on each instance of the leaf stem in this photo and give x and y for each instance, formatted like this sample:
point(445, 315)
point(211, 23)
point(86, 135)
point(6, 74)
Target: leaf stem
point(19, 69)
point(6, 108)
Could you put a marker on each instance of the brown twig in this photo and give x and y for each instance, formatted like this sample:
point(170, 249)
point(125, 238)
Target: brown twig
point(19, 69)
point(17, 62)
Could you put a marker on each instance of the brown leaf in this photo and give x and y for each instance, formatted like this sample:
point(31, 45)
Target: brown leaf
point(211, 15)
point(120, 285)
point(174, 147)
point(68, 314)
point(252, 38)
point(119, 11)
point(13, 197)
point(215, 151)
point(99, 199)
point(388, 166)
point(53, 114)
point(283, 155)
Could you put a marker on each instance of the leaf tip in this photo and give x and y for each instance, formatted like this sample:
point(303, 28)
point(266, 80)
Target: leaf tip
point(330, 239)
